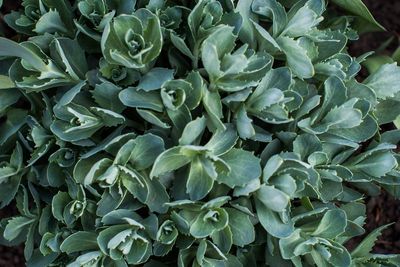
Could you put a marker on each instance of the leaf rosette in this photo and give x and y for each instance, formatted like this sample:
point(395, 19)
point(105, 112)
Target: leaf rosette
point(205, 254)
point(204, 17)
point(231, 70)
point(213, 133)
point(39, 68)
point(39, 17)
point(75, 122)
point(318, 242)
point(126, 239)
point(125, 242)
point(95, 17)
point(118, 74)
point(133, 41)
point(10, 175)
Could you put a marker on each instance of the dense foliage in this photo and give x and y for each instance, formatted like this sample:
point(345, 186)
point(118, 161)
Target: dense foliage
point(193, 133)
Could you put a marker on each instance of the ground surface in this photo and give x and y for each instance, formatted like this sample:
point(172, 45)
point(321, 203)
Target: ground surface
point(387, 12)
point(381, 210)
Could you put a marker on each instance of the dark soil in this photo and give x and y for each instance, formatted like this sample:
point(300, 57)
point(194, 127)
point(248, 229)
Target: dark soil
point(11, 256)
point(381, 210)
point(387, 13)
point(384, 210)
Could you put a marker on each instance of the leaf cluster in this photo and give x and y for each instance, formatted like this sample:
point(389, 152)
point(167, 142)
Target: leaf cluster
point(193, 133)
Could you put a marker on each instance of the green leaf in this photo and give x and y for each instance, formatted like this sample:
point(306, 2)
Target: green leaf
point(378, 164)
point(16, 118)
point(213, 106)
point(208, 11)
point(332, 224)
point(170, 160)
point(59, 202)
point(272, 222)
point(385, 81)
point(10, 48)
point(229, 71)
point(155, 78)
point(193, 130)
point(167, 233)
point(9, 189)
point(79, 241)
point(274, 11)
point(267, 36)
point(273, 198)
point(8, 97)
point(134, 183)
point(17, 226)
point(109, 118)
point(50, 22)
point(200, 182)
point(152, 118)
point(216, 202)
point(131, 97)
point(6, 172)
point(222, 141)
point(373, 63)
point(223, 239)
point(303, 21)
point(147, 148)
point(365, 247)
point(209, 222)
point(6, 82)
point(343, 117)
point(397, 122)
point(387, 111)
point(297, 58)
point(106, 95)
point(157, 196)
point(306, 144)
point(122, 7)
point(358, 8)
point(244, 124)
point(260, 101)
point(64, 8)
point(245, 167)
point(242, 229)
point(131, 40)
point(180, 44)
point(246, 33)
point(173, 94)
point(214, 48)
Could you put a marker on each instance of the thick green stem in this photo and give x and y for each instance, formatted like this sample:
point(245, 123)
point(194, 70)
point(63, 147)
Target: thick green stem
point(196, 52)
point(305, 202)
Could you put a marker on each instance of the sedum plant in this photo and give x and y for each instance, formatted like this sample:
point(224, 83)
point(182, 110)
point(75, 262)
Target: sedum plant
point(193, 133)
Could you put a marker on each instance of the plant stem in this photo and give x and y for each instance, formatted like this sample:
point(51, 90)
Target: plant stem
point(196, 52)
point(305, 202)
